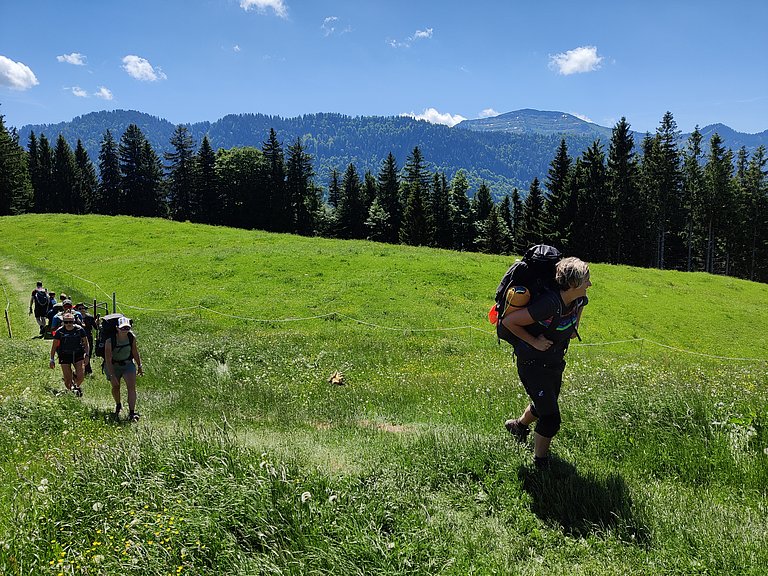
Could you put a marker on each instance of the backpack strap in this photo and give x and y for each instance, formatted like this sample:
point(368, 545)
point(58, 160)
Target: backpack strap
point(555, 322)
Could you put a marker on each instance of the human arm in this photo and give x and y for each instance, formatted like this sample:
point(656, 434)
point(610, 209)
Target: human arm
point(135, 353)
point(516, 322)
point(54, 345)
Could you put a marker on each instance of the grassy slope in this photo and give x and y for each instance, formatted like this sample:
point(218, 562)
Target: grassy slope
point(645, 426)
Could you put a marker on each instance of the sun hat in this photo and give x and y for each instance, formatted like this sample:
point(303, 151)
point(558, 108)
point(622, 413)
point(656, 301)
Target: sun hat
point(123, 322)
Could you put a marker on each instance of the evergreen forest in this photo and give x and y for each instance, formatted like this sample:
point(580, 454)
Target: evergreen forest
point(693, 205)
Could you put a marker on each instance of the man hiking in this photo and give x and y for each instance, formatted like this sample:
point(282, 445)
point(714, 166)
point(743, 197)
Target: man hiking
point(40, 301)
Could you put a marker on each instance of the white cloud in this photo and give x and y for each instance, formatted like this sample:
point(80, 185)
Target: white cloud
point(79, 92)
point(328, 26)
point(16, 75)
point(418, 35)
point(75, 58)
point(434, 117)
point(576, 61)
point(141, 69)
point(236, 47)
point(488, 113)
point(261, 5)
point(104, 93)
point(581, 117)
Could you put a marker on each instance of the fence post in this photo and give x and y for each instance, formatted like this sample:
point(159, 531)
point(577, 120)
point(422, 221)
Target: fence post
point(8, 322)
point(114, 303)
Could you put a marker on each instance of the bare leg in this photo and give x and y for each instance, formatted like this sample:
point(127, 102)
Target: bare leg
point(527, 418)
point(115, 389)
point(541, 445)
point(79, 373)
point(130, 383)
point(66, 370)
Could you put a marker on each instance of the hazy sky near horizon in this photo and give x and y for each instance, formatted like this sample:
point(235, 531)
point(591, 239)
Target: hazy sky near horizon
point(195, 60)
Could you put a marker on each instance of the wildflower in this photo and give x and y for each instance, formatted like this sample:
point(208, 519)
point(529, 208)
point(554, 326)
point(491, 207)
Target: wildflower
point(97, 506)
point(305, 497)
point(332, 498)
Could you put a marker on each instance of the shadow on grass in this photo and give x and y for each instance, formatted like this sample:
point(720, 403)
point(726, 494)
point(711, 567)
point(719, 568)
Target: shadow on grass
point(109, 417)
point(584, 504)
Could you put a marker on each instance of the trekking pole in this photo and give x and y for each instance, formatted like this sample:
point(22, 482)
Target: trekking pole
point(8, 322)
point(114, 303)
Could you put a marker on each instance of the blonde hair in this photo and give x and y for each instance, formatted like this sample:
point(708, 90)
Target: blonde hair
point(570, 272)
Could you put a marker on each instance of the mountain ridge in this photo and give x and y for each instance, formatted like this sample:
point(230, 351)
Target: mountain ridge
point(507, 150)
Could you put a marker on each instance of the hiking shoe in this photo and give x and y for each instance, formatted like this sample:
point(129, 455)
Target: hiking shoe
point(118, 407)
point(134, 416)
point(541, 462)
point(78, 391)
point(518, 430)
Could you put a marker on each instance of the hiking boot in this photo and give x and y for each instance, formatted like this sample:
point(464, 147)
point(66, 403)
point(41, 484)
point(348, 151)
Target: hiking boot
point(118, 407)
point(78, 391)
point(133, 416)
point(518, 430)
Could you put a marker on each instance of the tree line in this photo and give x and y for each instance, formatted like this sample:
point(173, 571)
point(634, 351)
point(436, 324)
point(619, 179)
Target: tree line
point(690, 206)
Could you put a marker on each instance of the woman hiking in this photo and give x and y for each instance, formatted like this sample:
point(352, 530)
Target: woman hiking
point(71, 344)
point(541, 352)
point(120, 352)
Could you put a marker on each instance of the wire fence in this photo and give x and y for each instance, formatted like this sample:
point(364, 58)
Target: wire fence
point(119, 306)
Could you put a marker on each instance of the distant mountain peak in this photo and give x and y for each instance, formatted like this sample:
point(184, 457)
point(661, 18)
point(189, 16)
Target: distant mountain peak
point(530, 121)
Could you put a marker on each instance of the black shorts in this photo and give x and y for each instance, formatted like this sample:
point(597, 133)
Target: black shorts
point(542, 382)
point(71, 357)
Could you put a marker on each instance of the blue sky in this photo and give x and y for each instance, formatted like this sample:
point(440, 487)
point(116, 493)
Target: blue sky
point(194, 60)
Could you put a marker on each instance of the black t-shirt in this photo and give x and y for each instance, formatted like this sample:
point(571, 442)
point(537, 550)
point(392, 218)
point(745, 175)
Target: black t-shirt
point(70, 340)
point(542, 310)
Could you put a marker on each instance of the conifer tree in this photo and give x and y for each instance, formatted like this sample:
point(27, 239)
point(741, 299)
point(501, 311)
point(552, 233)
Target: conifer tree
point(461, 213)
point(86, 182)
point(241, 173)
point(351, 213)
point(33, 162)
point(110, 185)
point(377, 223)
point(389, 198)
point(518, 242)
point(334, 189)
point(492, 233)
point(64, 198)
point(183, 201)
point(151, 202)
point(277, 201)
point(558, 207)
point(15, 184)
point(692, 200)
point(414, 191)
point(594, 237)
point(130, 151)
point(439, 213)
point(532, 223)
point(482, 203)
point(43, 178)
point(206, 184)
point(301, 190)
point(719, 221)
point(756, 193)
point(505, 215)
point(623, 187)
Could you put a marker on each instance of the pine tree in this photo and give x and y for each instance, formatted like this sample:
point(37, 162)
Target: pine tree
point(505, 215)
point(351, 213)
point(692, 200)
point(414, 191)
point(110, 187)
point(206, 184)
point(558, 208)
point(15, 185)
point(377, 223)
point(277, 199)
point(756, 192)
point(334, 190)
point(482, 203)
point(130, 151)
point(518, 242)
point(241, 174)
point(43, 178)
point(301, 190)
point(665, 183)
point(153, 189)
point(64, 198)
point(86, 182)
point(461, 213)
point(532, 222)
point(492, 233)
point(33, 162)
point(389, 198)
point(439, 213)
point(183, 201)
point(623, 186)
point(596, 214)
point(718, 217)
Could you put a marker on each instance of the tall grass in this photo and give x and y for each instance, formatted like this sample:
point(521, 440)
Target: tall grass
point(248, 461)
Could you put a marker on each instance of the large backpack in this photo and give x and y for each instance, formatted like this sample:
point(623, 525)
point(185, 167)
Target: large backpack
point(529, 277)
point(41, 298)
point(107, 331)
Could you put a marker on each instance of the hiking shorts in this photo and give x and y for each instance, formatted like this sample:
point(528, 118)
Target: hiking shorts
point(542, 382)
point(71, 357)
point(127, 367)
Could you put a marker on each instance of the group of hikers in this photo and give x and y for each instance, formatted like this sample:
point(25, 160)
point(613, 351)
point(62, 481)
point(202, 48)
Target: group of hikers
point(71, 330)
point(539, 304)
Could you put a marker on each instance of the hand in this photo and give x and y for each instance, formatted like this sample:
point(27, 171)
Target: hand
point(541, 343)
point(52, 364)
point(140, 370)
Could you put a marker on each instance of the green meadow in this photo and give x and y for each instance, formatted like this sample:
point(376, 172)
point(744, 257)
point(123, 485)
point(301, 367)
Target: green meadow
point(247, 460)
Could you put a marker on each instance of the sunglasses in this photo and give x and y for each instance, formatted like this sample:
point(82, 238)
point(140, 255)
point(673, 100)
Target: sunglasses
point(125, 328)
point(68, 322)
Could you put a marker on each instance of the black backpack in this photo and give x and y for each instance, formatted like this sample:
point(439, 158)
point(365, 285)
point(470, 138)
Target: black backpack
point(41, 298)
point(107, 331)
point(535, 272)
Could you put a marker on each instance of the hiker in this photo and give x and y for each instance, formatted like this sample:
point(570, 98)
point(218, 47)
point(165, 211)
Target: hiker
point(66, 309)
point(541, 358)
point(71, 343)
point(51, 299)
point(89, 323)
point(40, 301)
point(120, 352)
